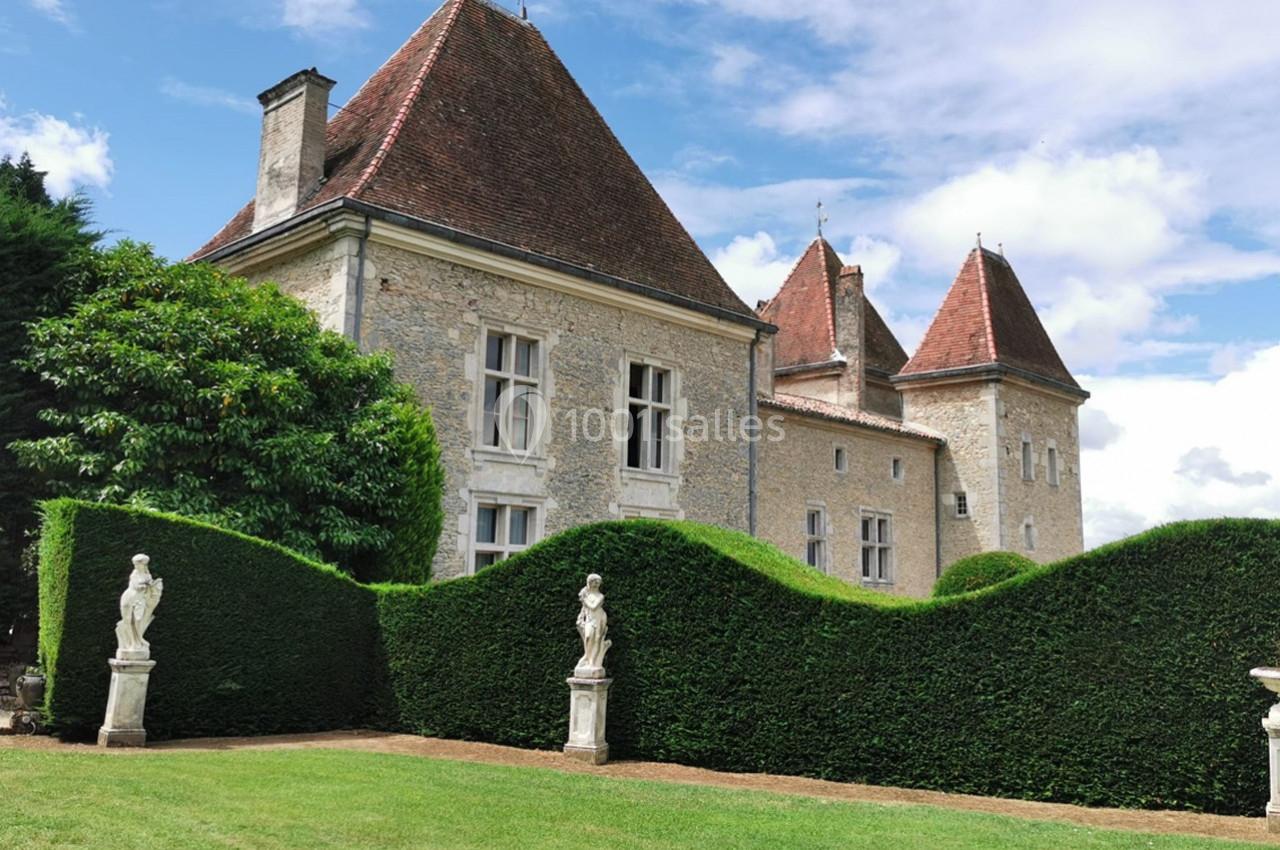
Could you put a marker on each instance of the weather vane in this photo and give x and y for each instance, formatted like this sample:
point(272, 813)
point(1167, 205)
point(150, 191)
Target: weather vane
point(822, 218)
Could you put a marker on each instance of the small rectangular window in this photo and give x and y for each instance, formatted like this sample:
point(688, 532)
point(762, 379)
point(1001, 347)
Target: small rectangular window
point(1053, 466)
point(877, 548)
point(648, 443)
point(962, 505)
point(500, 532)
point(896, 469)
point(1029, 535)
point(816, 533)
point(842, 461)
point(1028, 463)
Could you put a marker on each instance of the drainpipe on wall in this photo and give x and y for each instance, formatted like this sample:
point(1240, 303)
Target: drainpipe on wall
point(753, 410)
point(937, 512)
point(359, 293)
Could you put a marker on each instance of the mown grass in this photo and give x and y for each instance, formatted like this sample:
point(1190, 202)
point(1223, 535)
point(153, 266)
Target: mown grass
point(326, 798)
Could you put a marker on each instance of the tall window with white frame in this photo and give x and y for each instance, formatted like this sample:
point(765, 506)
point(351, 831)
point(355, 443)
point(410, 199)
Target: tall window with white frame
point(816, 533)
point(501, 531)
point(512, 378)
point(1052, 462)
point(877, 548)
point(1028, 460)
point(649, 406)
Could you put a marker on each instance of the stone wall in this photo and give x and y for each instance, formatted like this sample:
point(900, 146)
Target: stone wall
point(965, 413)
point(433, 314)
point(320, 277)
point(1050, 421)
point(798, 471)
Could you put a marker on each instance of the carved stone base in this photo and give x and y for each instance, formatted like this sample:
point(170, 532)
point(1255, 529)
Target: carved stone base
point(588, 702)
point(126, 704)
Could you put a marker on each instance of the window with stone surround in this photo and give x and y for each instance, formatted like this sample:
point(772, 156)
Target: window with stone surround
point(816, 537)
point(500, 528)
point(877, 547)
point(649, 404)
point(511, 387)
point(1028, 460)
point(1052, 460)
point(897, 469)
point(841, 459)
point(1029, 534)
point(962, 505)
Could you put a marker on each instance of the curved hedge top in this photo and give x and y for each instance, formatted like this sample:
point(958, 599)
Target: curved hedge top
point(1118, 677)
point(982, 570)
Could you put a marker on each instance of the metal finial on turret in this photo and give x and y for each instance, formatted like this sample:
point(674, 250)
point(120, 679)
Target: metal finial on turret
point(822, 218)
point(979, 240)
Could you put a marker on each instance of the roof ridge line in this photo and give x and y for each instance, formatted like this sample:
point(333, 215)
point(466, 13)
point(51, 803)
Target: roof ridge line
point(986, 305)
point(823, 245)
point(936, 314)
point(393, 132)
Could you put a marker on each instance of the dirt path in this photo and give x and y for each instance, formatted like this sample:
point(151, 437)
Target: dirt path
point(1183, 823)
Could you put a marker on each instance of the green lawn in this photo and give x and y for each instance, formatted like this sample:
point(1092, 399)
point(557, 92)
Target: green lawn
point(331, 798)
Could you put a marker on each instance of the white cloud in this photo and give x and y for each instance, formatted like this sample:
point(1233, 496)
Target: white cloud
point(1099, 242)
point(732, 62)
point(72, 155)
point(207, 96)
point(1097, 431)
point(709, 209)
point(54, 9)
point(879, 260)
point(753, 266)
point(1117, 211)
point(1190, 448)
point(323, 17)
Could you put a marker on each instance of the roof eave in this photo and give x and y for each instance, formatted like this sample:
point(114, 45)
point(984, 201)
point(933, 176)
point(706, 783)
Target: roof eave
point(479, 242)
point(893, 432)
point(992, 371)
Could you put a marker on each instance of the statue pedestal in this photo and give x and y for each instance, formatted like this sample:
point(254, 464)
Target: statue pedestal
point(588, 700)
point(126, 703)
point(1271, 723)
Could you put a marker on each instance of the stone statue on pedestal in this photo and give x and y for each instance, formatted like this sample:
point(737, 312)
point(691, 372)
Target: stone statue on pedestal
point(131, 668)
point(593, 627)
point(588, 687)
point(137, 609)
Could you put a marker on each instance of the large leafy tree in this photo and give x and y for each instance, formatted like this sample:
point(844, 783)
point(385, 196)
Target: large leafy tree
point(45, 248)
point(181, 388)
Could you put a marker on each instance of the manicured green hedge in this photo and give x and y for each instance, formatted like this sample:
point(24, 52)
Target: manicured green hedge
point(249, 638)
point(982, 570)
point(1115, 678)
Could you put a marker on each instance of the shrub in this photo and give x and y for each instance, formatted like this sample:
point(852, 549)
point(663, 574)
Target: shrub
point(250, 639)
point(186, 390)
point(983, 570)
point(1113, 678)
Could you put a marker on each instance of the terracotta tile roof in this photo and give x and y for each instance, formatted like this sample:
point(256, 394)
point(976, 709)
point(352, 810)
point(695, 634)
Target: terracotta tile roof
point(987, 319)
point(860, 418)
point(804, 312)
point(476, 125)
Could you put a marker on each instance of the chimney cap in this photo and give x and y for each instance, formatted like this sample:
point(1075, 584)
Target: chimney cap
point(296, 81)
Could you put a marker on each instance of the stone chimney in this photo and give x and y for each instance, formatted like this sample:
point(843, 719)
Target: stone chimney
point(848, 305)
point(295, 113)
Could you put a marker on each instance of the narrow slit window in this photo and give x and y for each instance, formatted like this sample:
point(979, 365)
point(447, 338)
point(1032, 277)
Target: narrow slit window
point(1028, 462)
point(842, 460)
point(1053, 466)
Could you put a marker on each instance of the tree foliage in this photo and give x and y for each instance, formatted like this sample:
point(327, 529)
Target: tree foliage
point(183, 389)
point(44, 253)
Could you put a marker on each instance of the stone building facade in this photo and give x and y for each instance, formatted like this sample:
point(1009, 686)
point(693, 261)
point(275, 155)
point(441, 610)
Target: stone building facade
point(470, 212)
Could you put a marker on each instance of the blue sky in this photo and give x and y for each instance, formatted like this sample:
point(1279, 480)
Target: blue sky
point(1126, 155)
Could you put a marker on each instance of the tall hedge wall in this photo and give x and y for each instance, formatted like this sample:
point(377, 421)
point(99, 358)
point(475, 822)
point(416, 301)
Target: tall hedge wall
point(249, 638)
point(1114, 678)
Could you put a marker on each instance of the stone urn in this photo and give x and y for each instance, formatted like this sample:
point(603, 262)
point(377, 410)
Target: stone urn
point(30, 691)
point(1269, 678)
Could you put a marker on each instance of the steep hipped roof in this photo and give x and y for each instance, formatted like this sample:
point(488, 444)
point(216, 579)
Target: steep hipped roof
point(987, 319)
point(476, 125)
point(804, 311)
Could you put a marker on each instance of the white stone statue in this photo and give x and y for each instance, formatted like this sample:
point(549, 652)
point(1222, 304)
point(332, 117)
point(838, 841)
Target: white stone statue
point(593, 627)
point(137, 609)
